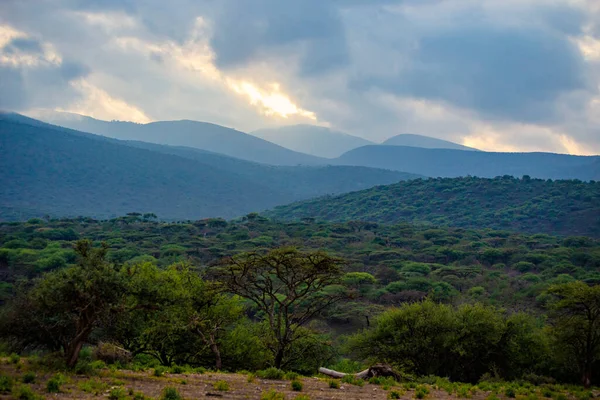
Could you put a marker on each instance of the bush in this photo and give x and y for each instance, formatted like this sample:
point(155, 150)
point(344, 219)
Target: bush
point(117, 394)
point(510, 392)
point(302, 397)
point(271, 373)
point(54, 384)
point(272, 395)
point(14, 358)
point(93, 386)
point(296, 386)
point(547, 392)
point(111, 354)
point(221, 386)
point(177, 369)
point(291, 376)
point(560, 396)
point(395, 394)
point(29, 377)
point(352, 380)
point(170, 393)
point(159, 371)
point(334, 384)
point(24, 393)
point(6, 384)
point(421, 392)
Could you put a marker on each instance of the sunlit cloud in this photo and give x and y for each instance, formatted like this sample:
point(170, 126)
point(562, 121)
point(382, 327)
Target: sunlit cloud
point(99, 104)
point(17, 58)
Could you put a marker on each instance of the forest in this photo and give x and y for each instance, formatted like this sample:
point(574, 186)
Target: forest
point(254, 293)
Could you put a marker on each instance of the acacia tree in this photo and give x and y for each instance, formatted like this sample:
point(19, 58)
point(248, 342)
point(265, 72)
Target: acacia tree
point(288, 286)
point(62, 307)
point(576, 325)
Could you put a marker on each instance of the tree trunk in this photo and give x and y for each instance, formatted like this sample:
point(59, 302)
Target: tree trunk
point(586, 379)
point(72, 353)
point(217, 353)
point(375, 370)
point(279, 358)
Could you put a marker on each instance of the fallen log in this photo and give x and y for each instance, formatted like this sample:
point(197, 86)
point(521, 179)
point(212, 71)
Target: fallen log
point(377, 370)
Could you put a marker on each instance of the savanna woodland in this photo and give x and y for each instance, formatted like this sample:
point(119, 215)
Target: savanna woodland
point(447, 308)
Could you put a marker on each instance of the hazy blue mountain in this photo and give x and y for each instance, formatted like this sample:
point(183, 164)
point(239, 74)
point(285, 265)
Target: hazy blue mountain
point(407, 139)
point(564, 207)
point(201, 135)
point(454, 163)
point(62, 172)
point(310, 139)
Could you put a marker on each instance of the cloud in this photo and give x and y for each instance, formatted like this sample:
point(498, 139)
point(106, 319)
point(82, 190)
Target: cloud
point(505, 74)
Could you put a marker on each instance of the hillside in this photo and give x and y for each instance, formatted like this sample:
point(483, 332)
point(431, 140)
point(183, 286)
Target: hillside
point(407, 139)
point(61, 172)
point(522, 205)
point(310, 139)
point(201, 135)
point(454, 163)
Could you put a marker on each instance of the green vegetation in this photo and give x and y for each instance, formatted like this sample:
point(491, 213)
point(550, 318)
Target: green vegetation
point(171, 393)
point(296, 386)
point(565, 207)
point(221, 386)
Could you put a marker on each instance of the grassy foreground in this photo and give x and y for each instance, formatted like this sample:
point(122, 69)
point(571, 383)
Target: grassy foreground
point(19, 379)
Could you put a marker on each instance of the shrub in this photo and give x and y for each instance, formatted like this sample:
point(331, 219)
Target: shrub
point(352, 380)
point(271, 373)
point(170, 393)
point(291, 376)
point(547, 392)
point(29, 377)
point(463, 392)
point(117, 394)
point(6, 384)
point(53, 385)
point(395, 394)
point(221, 386)
point(560, 396)
point(24, 392)
point(251, 378)
point(492, 397)
point(334, 384)
point(111, 354)
point(272, 395)
point(93, 386)
point(159, 371)
point(296, 386)
point(421, 392)
point(510, 392)
point(177, 369)
point(14, 358)
point(302, 397)
point(383, 381)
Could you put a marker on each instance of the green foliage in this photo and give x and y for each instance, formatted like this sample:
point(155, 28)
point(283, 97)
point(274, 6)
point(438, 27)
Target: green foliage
point(14, 358)
point(271, 373)
point(6, 384)
point(296, 386)
point(93, 386)
point(291, 375)
point(510, 392)
point(352, 380)
point(171, 393)
point(24, 392)
point(221, 386)
point(395, 394)
point(54, 384)
point(535, 205)
point(421, 392)
point(117, 394)
point(29, 377)
point(334, 384)
point(159, 371)
point(272, 395)
point(302, 397)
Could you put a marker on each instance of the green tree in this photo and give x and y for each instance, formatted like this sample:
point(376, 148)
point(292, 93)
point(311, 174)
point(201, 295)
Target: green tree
point(288, 286)
point(576, 325)
point(62, 307)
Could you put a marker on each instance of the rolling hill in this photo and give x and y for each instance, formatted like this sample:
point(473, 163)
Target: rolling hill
point(454, 163)
point(564, 207)
point(407, 139)
point(201, 135)
point(62, 172)
point(310, 139)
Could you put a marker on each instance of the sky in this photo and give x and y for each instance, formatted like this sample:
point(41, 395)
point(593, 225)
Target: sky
point(499, 75)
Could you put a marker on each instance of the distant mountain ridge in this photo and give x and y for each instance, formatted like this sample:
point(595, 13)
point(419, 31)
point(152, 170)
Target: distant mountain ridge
point(560, 207)
point(61, 172)
point(201, 135)
point(311, 139)
point(455, 163)
point(427, 142)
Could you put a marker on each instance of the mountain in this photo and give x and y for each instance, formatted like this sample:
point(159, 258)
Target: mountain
point(454, 163)
point(407, 139)
point(564, 207)
point(62, 172)
point(201, 135)
point(311, 139)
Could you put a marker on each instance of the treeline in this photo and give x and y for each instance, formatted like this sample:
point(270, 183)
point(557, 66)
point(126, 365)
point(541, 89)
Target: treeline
point(263, 308)
point(560, 207)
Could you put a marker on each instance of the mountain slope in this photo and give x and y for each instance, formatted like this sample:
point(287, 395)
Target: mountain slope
point(454, 163)
point(201, 135)
point(311, 139)
point(407, 139)
point(61, 172)
point(563, 207)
